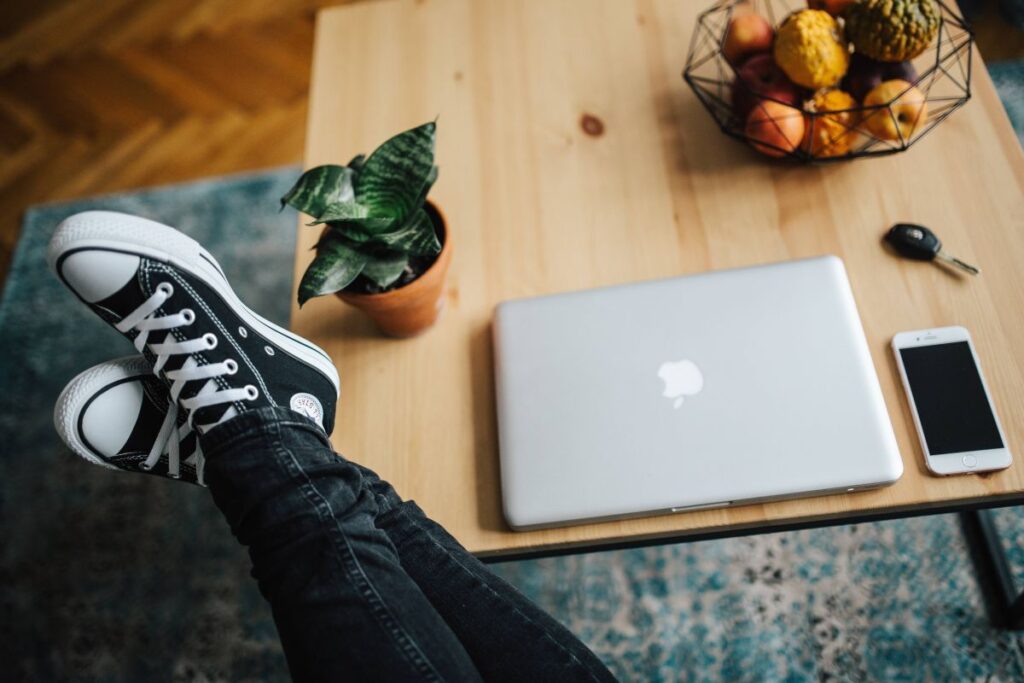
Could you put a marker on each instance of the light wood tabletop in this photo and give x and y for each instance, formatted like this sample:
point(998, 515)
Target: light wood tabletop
point(537, 205)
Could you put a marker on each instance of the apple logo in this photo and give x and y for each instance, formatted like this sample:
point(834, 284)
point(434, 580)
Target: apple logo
point(682, 379)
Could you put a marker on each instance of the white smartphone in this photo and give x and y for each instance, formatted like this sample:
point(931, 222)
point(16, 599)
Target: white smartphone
point(953, 412)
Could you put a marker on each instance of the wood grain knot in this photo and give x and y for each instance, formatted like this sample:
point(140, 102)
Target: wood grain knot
point(592, 125)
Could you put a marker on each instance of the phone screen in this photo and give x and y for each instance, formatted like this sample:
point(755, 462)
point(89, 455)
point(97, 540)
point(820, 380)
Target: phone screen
point(955, 413)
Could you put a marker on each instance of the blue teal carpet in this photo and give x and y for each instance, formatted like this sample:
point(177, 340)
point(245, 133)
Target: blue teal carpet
point(1009, 81)
point(124, 578)
point(112, 577)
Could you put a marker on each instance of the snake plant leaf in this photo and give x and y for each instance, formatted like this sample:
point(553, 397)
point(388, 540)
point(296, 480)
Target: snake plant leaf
point(341, 211)
point(427, 184)
point(336, 265)
point(353, 213)
point(385, 270)
point(320, 187)
point(354, 234)
point(391, 180)
point(416, 237)
point(357, 163)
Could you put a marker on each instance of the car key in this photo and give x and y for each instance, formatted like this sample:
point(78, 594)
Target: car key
point(919, 243)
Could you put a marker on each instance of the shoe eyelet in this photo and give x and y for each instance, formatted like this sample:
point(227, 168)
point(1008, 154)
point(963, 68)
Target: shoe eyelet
point(166, 287)
point(242, 332)
point(252, 392)
point(269, 350)
point(188, 314)
point(231, 366)
point(211, 340)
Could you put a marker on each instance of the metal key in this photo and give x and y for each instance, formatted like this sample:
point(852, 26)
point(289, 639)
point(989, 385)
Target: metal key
point(919, 243)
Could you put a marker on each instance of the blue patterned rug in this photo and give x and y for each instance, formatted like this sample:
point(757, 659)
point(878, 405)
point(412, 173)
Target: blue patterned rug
point(1009, 80)
point(106, 577)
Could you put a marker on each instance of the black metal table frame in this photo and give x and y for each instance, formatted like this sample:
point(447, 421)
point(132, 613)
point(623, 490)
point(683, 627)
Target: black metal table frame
point(1004, 603)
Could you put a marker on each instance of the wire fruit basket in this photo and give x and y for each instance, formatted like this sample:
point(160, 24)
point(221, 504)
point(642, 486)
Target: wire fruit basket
point(752, 99)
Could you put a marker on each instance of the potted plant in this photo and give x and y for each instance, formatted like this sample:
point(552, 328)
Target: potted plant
point(385, 249)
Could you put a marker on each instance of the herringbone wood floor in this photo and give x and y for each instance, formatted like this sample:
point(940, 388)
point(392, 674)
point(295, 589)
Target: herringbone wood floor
point(105, 95)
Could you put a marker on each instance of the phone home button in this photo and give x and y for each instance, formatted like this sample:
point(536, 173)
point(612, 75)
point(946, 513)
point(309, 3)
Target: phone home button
point(970, 461)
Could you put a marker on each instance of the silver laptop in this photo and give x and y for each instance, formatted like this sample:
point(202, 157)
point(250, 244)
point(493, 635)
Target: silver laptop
point(702, 391)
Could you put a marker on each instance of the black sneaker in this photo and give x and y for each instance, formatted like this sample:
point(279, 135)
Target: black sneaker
point(116, 415)
point(167, 294)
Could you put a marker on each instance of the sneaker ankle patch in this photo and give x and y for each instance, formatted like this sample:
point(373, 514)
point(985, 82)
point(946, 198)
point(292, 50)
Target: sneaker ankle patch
point(308, 405)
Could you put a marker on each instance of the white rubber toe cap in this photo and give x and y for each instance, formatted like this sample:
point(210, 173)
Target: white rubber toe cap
point(93, 251)
point(95, 274)
point(98, 410)
point(109, 418)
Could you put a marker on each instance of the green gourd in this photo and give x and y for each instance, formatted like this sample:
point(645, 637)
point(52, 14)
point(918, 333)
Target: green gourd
point(892, 30)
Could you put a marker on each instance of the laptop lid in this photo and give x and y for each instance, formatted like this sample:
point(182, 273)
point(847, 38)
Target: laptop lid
point(731, 386)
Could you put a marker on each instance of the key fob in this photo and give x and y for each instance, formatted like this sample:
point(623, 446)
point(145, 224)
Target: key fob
point(914, 241)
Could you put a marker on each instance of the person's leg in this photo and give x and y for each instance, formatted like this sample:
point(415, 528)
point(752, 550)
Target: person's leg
point(508, 637)
point(343, 604)
point(112, 415)
point(345, 607)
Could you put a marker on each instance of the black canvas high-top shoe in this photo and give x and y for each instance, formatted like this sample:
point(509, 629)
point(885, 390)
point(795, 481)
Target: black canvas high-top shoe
point(169, 296)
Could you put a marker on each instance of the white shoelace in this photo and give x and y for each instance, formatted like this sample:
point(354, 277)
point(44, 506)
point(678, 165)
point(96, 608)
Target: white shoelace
point(170, 436)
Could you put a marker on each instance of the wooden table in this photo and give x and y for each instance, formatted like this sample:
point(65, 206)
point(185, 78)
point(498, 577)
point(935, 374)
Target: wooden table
point(538, 205)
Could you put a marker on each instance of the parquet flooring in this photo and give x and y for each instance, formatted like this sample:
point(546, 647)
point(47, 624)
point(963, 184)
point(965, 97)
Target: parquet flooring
point(105, 95)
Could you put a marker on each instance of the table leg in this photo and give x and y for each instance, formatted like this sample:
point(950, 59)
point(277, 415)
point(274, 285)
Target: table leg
point(1006, 604)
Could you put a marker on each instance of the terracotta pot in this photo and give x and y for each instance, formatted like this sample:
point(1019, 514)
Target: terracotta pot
point(409, 310)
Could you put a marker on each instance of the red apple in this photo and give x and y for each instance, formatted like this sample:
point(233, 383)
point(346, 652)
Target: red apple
point(774, 128)
point(760, 78)
point(865, 74)
point(747, 34)
point(833, 7)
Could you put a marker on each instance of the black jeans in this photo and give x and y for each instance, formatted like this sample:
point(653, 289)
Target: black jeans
point(363, 585)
